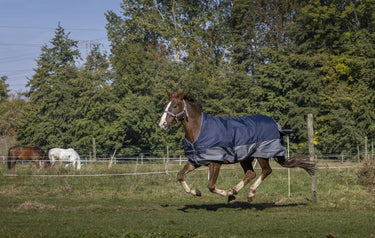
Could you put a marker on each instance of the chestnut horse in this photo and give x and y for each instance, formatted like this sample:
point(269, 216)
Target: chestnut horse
point(33, 154)
point(214, 141)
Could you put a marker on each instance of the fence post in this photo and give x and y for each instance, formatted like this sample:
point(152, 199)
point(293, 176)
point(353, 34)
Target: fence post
point(111, 161)
point(366, 151)
point(166, 164)
point(287, 144)
point(93, 148)
point(359, 154)
point(310, 133)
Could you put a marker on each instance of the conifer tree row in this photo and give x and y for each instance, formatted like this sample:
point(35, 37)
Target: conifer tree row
point(284, 59)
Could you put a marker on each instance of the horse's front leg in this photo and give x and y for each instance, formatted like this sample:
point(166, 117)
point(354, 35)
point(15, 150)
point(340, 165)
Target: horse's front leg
point(180, 176)
point(36, 162)
point(53, 161)
point(78, 165)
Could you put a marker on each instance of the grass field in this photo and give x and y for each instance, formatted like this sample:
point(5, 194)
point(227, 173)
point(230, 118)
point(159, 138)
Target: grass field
point(156, 206)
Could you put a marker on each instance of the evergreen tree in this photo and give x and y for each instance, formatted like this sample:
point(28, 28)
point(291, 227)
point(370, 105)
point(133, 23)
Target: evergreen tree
point(334, 39)
point(8, 117)
point(162, 45)
point(4, 89)
point(49, 113)
point(96, 105)
point(281, 58)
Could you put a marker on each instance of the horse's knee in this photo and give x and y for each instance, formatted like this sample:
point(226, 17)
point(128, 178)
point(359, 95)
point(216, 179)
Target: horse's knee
point(249, 176)
point(252, 175)
point(180, 176)
point(267, 172)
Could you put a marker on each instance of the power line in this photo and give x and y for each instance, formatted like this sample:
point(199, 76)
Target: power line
point(16, 59)
point(41, 44)
point(16, 56)
point(20, 44)
point(51, 28)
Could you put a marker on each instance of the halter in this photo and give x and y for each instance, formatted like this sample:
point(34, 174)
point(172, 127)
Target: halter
point(180, 113)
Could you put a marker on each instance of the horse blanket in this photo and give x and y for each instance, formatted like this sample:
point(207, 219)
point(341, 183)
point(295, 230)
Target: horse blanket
point(230, 140)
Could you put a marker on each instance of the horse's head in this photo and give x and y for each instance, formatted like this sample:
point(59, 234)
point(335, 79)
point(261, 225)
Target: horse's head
point(46, 160)
point(175, 110)
point(47, 164)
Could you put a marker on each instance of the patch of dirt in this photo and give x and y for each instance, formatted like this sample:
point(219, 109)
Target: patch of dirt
point(29, 205)
point(287, 201)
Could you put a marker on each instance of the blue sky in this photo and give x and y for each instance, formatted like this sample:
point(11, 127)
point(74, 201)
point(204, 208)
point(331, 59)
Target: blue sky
point(26, 25)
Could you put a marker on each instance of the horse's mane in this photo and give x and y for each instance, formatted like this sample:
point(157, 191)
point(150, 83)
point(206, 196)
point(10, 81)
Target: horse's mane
point(191, 99)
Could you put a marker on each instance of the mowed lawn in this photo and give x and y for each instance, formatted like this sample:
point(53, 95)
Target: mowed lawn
point(155, 205)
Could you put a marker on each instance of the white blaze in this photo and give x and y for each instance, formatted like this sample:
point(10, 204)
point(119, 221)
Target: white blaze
point(163, 120)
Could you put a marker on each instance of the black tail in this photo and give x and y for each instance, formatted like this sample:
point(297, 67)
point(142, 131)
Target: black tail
point(9, 160)
point(297, 161)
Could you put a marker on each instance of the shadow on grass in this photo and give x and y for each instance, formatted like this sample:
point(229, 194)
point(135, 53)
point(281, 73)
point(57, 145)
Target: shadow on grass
point(238, 205)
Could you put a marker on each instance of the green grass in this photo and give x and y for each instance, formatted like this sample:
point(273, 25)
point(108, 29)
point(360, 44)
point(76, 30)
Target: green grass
point(156, 205)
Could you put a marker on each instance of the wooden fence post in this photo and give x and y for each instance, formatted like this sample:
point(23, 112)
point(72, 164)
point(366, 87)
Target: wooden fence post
point(166, 164)
point(93, 148)
point(366, 150)
point(358, 154)
point(310, 133)
point(112, 158)
point(287, 154)
point(372, 151)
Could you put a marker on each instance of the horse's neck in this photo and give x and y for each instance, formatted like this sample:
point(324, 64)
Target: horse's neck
point(192, 124)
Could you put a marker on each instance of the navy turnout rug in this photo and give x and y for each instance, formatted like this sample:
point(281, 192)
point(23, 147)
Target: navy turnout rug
point(230, 140)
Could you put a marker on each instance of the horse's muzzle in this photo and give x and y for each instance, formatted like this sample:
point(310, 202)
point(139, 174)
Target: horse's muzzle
point(164, 125)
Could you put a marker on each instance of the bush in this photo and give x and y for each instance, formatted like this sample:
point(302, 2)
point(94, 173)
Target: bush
point(366, 174)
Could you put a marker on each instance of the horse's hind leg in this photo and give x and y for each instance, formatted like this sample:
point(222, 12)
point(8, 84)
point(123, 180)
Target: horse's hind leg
point(266, 170)
point(249, 175)
point(214, 169)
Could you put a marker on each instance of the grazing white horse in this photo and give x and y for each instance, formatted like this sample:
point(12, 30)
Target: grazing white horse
point(68, 156)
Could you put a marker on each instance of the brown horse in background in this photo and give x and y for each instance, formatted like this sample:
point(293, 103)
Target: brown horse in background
point(33, 154)
point(195, 123)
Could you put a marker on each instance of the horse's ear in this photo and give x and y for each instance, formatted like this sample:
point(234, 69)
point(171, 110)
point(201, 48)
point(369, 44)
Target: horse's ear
point(168, 94)
point(182, 94)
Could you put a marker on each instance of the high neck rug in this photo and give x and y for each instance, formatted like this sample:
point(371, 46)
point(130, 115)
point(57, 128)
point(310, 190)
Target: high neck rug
point(230, 140)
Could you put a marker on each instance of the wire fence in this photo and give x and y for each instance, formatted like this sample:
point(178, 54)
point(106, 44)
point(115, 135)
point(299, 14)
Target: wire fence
point(86, 160)
point(173, 164)
point(181, 159)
